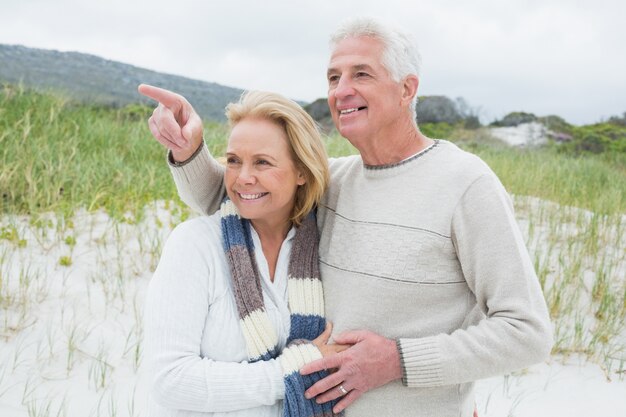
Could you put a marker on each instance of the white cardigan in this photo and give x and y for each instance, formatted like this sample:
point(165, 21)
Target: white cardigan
point(195, 350)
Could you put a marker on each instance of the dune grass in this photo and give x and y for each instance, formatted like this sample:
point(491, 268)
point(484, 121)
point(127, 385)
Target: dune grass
point(593, 182)
point(57, 156)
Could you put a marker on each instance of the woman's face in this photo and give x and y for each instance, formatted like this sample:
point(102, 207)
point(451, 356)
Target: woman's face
point(261, 178)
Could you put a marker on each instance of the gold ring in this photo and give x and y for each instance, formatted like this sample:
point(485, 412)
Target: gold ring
point(343, 390)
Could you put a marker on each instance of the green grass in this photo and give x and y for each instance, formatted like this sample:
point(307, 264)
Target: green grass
point(57, 156)
point(593, 182)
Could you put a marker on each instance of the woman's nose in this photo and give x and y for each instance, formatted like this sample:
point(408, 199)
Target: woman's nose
point(246, 176)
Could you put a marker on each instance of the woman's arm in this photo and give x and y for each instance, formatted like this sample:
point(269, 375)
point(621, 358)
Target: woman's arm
point(176, 311)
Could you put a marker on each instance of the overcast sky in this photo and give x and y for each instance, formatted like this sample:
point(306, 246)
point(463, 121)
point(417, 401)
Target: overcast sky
point(562, 57)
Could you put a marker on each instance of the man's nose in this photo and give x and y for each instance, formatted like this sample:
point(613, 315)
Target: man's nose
point(344, 88)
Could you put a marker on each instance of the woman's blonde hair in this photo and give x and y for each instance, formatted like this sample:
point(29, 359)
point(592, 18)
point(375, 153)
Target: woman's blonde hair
point(305, 143)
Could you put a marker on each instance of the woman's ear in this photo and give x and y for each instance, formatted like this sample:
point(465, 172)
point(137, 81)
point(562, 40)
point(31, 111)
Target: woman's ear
point(301, 179)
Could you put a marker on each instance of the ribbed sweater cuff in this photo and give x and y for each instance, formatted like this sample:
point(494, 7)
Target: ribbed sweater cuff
point(196, 166)
point(421, 362)
point(297, 355)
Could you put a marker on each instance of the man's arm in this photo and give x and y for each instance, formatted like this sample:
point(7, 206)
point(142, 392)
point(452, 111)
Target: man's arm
point(177, 126)
point(199, 180)
point(514, 331)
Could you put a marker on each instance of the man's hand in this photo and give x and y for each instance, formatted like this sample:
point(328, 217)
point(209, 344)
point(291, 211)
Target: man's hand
point(372, 361)
point(174, 122)
point(321, 342)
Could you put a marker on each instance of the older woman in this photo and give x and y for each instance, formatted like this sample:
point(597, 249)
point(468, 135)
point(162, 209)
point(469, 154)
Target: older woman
point(236, 293)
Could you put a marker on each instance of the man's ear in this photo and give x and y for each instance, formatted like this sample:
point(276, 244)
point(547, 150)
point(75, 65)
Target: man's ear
point(409, 87)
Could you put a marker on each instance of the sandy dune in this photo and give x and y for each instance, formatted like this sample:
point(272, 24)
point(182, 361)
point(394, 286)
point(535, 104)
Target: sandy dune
point(71, 297)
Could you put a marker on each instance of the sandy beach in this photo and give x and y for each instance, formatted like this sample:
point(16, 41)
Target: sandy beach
point(72, 292)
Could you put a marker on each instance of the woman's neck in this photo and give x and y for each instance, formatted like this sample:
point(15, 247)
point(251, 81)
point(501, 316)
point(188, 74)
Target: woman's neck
point(272, 237)
point(271, 231)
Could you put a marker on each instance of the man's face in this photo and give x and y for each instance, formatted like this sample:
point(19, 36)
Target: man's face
point(364, 101)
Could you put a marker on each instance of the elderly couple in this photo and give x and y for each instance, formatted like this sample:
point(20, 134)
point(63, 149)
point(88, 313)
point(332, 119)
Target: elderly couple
point(410, 249)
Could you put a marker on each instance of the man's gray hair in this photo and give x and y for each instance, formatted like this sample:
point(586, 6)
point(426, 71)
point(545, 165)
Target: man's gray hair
point(400, 54)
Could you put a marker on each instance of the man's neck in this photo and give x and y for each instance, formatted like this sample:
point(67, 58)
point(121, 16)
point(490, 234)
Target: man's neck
point(391, 149)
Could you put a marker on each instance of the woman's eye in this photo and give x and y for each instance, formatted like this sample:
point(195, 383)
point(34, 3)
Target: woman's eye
point(231, 160)
point(262, 162)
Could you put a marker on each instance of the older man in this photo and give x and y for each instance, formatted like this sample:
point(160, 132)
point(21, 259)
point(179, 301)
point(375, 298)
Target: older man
point(425, 270)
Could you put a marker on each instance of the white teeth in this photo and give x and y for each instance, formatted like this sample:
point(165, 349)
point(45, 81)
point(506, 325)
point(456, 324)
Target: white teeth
point(346, 111)
point(251, 196)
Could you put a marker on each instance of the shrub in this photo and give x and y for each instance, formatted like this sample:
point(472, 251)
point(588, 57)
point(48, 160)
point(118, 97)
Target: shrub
point(515, 119)
point(440, 130)
point(598, 138)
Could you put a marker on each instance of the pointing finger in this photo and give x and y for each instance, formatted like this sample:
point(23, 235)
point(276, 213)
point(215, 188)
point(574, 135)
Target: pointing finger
point(166, 97)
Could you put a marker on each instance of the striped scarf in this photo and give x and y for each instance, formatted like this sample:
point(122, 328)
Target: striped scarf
point(306, 304)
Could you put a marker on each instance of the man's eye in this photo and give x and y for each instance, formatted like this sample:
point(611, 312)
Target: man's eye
point(333, 79)
point(362, 74)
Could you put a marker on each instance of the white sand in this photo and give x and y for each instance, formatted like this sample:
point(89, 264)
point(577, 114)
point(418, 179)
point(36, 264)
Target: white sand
point(574, 389)
point(70, 336)
point(525, 134)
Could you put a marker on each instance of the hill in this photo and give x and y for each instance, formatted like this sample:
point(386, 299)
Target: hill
point(94, 80)
point(91, 79)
